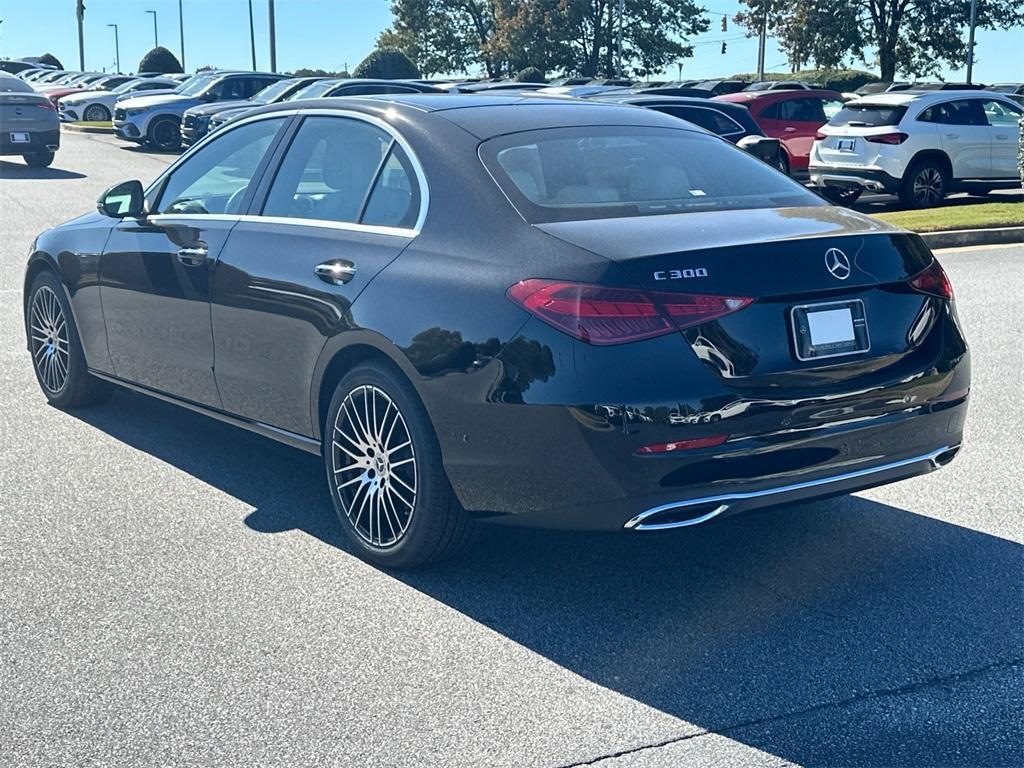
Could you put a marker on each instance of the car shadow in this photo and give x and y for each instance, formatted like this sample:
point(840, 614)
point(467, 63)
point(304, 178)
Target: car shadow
point(840, 632)
point(9, 170)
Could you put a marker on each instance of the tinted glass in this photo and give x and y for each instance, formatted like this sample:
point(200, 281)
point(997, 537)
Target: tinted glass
point(215, 178)
point(960, 112)
point(14, 85)
point(369, 90)
point(194, 85)
point(327, 170)
point(1001, 114)
point(273, 91)
point(868, 115)
point(394, 201)
point(314, 90)
point(568, 174)
point(711, 119)
point(807, 110)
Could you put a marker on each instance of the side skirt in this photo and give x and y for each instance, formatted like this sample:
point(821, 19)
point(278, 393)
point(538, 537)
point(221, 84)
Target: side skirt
point(303, 443)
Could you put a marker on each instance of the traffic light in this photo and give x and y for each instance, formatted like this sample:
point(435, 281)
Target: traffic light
point(725, 25)
point(723, 46)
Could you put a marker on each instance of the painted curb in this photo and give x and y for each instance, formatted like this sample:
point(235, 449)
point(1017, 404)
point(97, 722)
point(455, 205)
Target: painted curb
point(958, 238)
point(85, 128)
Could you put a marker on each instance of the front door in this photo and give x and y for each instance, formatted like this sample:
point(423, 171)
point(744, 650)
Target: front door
point(344, 202)
point(1004, 129)
point(155, 270)
point(964, 134)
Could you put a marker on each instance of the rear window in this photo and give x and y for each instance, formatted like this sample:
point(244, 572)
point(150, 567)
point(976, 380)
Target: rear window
point(868, 115)
point(573, 174)
point(14, 85)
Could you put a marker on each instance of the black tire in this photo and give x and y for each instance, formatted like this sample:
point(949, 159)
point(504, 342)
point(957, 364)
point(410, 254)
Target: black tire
point(925, 184)
point(76, 387)
point(96, 113)
point(783, 163)
point(164, 134)
point(39, 159)
point(841, 195)
point(436, 526)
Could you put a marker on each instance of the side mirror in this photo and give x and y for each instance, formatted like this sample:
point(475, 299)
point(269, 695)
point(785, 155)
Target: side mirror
point(762, 148)
point(123, 200)
point(209, 96)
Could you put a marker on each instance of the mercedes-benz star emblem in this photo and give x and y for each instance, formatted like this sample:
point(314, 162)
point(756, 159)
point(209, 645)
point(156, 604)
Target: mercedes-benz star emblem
point(837, 263)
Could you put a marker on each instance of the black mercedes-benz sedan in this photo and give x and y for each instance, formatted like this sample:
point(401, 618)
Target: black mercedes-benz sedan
point(522, 310)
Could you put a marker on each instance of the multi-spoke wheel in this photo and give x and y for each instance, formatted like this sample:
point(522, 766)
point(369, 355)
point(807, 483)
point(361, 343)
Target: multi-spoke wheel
point(56, 348)
point(374, 466)
point(925, 184)
point(51, 350)
point(384, 468)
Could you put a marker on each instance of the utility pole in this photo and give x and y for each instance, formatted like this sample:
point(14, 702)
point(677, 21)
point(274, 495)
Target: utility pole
point(970, 41)
point(762, 39)
point(181, 34)
point(117, 49)
point(622, 19)
point(80, 12)
point(156, 40)
point(252, 37)
point(273, 37)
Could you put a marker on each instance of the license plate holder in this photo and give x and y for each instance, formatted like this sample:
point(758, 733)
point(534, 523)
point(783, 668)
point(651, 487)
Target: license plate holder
point(830, 329)
point(847, 145)
point(20, 138)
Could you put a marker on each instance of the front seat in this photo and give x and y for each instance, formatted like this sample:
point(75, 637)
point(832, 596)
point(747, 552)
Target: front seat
point(348, 167)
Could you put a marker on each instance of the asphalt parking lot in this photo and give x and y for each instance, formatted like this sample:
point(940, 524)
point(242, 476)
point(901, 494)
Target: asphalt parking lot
point(174, 591)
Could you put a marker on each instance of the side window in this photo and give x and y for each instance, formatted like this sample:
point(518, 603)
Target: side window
point(257, 84)
point(215, 178)
point(1001, 114)
point(960, 112)
point(328, 170)
point(711, 119)
point(395, 199)
point(831, 107)
point(930, 115)
point(773, 111)
point(807, 110)
point(369, 90)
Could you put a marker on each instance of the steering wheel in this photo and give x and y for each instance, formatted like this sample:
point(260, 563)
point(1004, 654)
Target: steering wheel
point(235, 201)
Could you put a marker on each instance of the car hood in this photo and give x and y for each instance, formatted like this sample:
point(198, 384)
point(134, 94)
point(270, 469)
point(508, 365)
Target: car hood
point(83, 96)
point(159, 100)
point(220, 106)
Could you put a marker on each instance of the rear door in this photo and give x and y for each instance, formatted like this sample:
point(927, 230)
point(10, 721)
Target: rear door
point(343, 202)
point(155, 270)
point(1004, 130)
point(795, 121)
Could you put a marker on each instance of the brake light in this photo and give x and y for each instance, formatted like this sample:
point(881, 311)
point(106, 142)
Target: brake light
point(933, 281)
point(897, 137)
point(47, 106)
point(682, 445)
point(819, 136)
point(600, 315)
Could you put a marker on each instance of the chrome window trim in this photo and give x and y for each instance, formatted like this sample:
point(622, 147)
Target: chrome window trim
point(421, 178)
point(373, 229)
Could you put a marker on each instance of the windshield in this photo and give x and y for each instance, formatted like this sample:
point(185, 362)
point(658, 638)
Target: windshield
point(194, 85)
point(131, 85)
point(273, 92)
point(868, 115)
point(575, 174)
point(313, 90)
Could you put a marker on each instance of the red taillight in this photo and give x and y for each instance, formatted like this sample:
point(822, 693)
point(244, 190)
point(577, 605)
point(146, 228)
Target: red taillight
point(819, 136)
point(887, 138)
point(600, 315)
point(47, 106)
point(682, 445)
point(933, 281)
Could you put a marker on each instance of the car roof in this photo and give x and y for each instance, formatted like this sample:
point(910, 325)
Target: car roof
point(741, 97)
point(901, 98)
point(489, 116)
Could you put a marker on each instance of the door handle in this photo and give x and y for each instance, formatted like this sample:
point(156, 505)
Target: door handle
point(789, 129)
point(952, 135)
point(337, 272)
point(193, 256)
point(1002, 136)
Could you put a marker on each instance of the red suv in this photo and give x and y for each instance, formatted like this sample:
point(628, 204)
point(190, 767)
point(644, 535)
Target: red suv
point(793, 117)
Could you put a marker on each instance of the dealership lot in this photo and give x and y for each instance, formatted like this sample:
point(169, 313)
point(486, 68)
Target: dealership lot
point(173, 587)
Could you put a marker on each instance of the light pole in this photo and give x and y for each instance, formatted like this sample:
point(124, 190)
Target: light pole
point(156, 40)
point(252, 37)
point(181, 34)
point(970, 41)
point(622, 14)
point(117, 49)
point(273, 37)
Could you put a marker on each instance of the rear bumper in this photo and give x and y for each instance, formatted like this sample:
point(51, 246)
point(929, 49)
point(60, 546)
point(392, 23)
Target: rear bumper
point(39, 141)
point(871, 179)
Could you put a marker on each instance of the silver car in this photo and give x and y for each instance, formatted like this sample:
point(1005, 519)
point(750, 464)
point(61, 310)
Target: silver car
point(28, 122)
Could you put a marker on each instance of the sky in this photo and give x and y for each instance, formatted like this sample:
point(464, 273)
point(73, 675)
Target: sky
point(337, 34)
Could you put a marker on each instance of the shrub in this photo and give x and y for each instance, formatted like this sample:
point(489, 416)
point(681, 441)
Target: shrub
point(1020, 150)
point(306, 72)
point(53, 61)
point(530, 75)
point(387, 64)
point(159, 60)
point(833, 79)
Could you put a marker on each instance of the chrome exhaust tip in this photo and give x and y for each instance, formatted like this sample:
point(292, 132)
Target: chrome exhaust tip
point(676, 515)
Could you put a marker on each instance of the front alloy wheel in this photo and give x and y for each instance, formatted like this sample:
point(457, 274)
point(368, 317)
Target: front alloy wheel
point(374, 466)
point(51, 349)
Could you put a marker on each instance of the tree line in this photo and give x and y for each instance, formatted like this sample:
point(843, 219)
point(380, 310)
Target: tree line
point(580, 37)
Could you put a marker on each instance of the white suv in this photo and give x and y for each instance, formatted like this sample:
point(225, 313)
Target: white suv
point(919, 146)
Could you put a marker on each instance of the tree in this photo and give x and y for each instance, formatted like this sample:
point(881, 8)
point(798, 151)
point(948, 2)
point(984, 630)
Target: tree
point(386, 64)
point(159, 60)
point(441, 35)
point(53, 61)
point(530, 75)
point(305, 72)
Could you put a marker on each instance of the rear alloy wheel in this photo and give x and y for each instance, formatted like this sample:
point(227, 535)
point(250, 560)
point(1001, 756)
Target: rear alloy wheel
point(165, 134)
point(57, 357)
point(841, 195)
point(39, 159)
point(925, 185)
point(96, 113)
point(384, 467)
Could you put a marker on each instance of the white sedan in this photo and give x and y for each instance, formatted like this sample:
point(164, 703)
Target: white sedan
point(98, 106)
